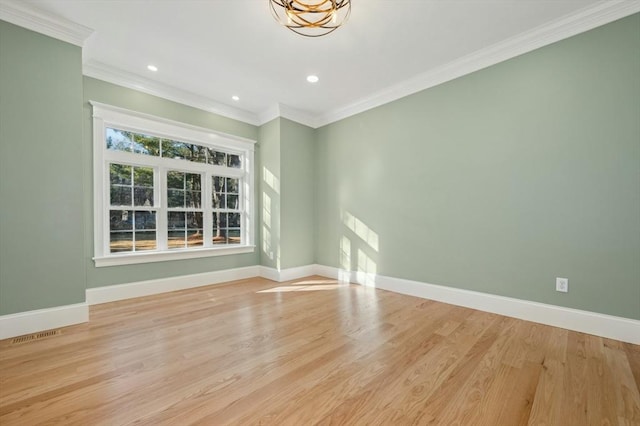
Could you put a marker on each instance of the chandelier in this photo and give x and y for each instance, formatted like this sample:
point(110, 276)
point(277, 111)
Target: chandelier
point(311, 18)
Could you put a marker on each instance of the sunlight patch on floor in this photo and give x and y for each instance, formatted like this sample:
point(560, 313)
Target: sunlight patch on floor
point(291, 288)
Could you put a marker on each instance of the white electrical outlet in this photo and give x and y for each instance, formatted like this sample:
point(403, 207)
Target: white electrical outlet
point(562, 284)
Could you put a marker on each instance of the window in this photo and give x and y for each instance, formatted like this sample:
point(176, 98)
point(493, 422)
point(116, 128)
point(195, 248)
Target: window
point(165, 190)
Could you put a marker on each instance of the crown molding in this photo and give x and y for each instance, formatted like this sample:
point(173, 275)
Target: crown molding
point(290, 113)
point(584, 20)
point(601, 13)
point(25, 15)
point(269, 114)
point(117, 76)
point(298, 116)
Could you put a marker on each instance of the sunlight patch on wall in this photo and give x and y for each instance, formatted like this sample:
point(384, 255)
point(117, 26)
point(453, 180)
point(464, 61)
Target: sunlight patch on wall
point(344, 275)
point(271, 180)
point(266, 242)
point(266, 226)
point(345, 253)
point(266, 210)
point(359, 228)
point(367, 268)
point(364, 241)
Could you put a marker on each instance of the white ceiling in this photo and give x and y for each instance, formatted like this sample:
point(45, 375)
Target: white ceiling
point(209, 50)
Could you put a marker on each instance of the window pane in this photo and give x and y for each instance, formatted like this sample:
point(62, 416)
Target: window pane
point(219, 236)
point(193, 181)
point(120, 195)
point(222, 201)
point(193, 199)
point(233, 161)
point(198, 154)
point(120, 174)
point(175, 180)
point(145, 220)
point(218, 184)
point(233, 185)
point(194, 220)
point(143, 176)
point(121, 220)
point(194, 238)
point(175, 198)
point(232, 202)
point(177, 150)
point(145, 144)
point(145, 241)
point(217, 229)
point(120, 241)
point(233, 236)
point(118, 140)
point(217, 158)
point(234, 220)
point(217, 200)
point(143, 196)
point(176, 239)
point(176, 220)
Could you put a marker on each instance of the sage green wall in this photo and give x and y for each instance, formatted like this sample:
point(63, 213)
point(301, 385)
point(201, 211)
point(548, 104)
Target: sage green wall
point(41, 172)
point(499, 181)
point(286, 194)
point(298, 201)
point(111, 94)
point(268, 175)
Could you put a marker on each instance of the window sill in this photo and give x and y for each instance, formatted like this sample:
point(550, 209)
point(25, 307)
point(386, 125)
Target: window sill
point(148, 257)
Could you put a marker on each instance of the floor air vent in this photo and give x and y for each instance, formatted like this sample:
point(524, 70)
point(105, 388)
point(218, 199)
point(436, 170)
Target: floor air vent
point(35, 336)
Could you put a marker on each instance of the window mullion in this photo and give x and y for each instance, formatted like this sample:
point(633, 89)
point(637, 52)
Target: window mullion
point(106, 202)
point(207, 210)
point(245, 230)
point(161, 219)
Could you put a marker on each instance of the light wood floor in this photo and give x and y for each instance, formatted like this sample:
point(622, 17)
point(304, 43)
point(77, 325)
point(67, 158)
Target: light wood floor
point(314, 352)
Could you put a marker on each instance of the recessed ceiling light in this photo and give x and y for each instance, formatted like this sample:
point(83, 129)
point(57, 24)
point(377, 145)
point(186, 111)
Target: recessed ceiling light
point(152, 68)
point(312, 78)
point(235, 98)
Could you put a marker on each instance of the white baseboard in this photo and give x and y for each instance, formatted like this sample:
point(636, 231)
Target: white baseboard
point(623, 329)
point(269, 273)
point(13, 325)
point(113, 293)
point(287, 274)
point(117, 292)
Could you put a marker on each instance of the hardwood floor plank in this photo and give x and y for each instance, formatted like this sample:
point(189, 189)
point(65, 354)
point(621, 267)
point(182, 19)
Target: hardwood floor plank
point(576, 390)
point(396, 354)
point(633, 358)
point(548, 401)
point(625, 397)
point(601, 393)
point(462, 408)
point(313, 351)
point(378, 342)
point(231, 401)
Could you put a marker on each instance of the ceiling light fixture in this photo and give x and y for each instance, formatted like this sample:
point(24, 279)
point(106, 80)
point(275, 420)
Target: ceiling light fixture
point(311, 18)
point(235, 98)
point(152, 68)
point(312, 78)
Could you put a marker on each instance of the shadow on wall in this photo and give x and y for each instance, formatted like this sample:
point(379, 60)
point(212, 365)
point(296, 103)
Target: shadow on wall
point(359, 250)
point(270, 236)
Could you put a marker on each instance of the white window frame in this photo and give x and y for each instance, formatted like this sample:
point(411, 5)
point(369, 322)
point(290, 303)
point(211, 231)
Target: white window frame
point(107, 116)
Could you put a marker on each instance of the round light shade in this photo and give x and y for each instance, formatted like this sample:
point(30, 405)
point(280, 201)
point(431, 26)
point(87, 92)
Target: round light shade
point(311, 18)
